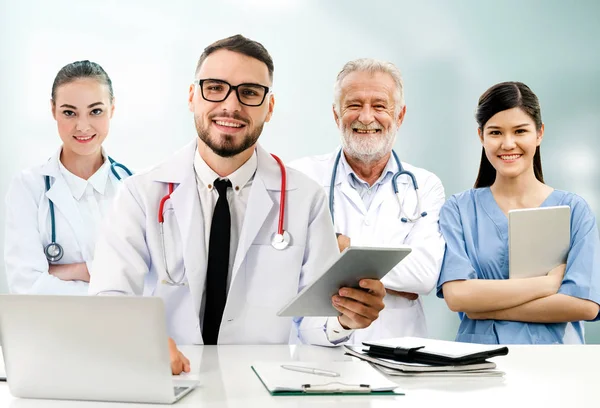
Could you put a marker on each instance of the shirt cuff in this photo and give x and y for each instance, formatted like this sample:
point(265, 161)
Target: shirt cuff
point(335, 332)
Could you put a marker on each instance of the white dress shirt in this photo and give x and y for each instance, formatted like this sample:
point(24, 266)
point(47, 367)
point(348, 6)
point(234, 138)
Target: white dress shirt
point(364, 190)
point(93, 198)
point(237, 198)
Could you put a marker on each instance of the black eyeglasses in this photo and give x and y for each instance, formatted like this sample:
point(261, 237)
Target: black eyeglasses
point(216, 90)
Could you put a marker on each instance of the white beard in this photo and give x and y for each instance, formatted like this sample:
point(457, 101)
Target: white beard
point(368, 148)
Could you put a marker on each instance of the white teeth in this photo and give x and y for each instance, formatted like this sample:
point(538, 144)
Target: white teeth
point(511, 157)
point(83, 138)
point(228, 124)
point(367, 130)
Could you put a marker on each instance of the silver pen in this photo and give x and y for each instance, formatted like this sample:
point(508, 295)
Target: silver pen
point(310, 370)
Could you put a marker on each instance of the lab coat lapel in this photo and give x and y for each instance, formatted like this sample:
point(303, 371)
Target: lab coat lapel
point(186, 207)
point(188, 213)
point(352, 195)
point(64, 203)
point(341, 181)
point(259, 206)
point(114, 181)
point(386, 192)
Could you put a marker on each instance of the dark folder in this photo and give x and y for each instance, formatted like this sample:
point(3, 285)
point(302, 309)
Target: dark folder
point(414, 355)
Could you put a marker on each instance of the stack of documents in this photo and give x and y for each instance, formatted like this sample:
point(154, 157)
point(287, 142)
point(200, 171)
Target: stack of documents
point(412, 356)
point(339, 377)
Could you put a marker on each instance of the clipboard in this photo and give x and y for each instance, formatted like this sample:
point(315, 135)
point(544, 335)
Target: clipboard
point(356, 378)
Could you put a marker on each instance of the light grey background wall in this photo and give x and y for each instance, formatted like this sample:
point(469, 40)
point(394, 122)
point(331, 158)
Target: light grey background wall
point(449, 52)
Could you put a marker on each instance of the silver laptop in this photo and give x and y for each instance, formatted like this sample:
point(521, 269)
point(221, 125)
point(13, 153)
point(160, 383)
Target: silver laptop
point(538, 240)
point(97, 348)
point(354, 264)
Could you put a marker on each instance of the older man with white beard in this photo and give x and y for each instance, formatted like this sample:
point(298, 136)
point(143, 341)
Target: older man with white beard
point(367, 209)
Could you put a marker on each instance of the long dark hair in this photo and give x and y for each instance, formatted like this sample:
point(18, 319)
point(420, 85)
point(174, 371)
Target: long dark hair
point(498, 98)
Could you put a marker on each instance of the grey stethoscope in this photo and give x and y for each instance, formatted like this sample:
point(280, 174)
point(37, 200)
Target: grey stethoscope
point(54, 251)
point(279, 240)
point(406, 218)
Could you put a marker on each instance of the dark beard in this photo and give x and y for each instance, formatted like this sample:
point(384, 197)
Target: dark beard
point(226, 147)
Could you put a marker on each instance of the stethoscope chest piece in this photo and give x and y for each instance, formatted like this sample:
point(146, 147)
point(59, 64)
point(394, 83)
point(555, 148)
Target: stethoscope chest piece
point(54, 252)
point(280, 241)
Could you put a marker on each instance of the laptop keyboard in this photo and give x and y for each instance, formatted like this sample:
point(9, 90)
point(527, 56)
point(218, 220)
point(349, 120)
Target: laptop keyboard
point(179, 390)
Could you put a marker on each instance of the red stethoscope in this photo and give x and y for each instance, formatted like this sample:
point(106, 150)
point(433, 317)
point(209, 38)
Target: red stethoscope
point(279, 240)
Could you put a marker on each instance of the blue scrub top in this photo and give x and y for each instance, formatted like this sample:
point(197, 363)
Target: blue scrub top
point(476, 234)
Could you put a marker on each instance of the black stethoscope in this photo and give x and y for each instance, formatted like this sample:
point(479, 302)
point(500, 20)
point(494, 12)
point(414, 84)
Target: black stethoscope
point(54, 251)
point(279, 240)
point(415, 217)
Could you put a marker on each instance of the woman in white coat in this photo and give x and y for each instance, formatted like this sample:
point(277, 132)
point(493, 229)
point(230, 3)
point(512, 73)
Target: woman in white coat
point(53, 209)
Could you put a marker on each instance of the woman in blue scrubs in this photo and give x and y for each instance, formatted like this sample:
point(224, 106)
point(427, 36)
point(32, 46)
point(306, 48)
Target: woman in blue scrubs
point(474, 278)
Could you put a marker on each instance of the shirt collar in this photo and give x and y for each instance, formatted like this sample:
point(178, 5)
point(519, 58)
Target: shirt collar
point(77, 185)
point(389, 170)
point(239, 178)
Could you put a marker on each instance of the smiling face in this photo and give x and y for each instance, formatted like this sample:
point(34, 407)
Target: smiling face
point(510, 139)
point(228, 128)
point(368, 116)
point(82, 109)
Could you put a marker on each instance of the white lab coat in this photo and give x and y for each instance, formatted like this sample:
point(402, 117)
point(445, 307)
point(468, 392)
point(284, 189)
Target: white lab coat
point(28, 231)
point(129, 256)
point(380, 226)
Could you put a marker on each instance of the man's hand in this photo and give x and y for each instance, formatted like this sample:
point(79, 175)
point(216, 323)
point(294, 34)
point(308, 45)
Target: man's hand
point(70, 272)
point(359, 307)
point(343, 242)
point(179, 363)
point(407, 295)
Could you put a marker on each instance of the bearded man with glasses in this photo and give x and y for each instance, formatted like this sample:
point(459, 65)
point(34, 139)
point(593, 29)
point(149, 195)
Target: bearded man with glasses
point(197, 229)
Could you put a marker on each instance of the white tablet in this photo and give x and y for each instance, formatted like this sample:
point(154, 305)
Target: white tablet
point(354, 264)
point(538, 240)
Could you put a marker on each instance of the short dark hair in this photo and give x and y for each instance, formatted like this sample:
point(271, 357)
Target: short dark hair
point(79, 70)
point(240, 44)
point(498, 98)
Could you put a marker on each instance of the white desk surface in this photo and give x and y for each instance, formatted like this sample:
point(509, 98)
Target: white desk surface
point(544, 376)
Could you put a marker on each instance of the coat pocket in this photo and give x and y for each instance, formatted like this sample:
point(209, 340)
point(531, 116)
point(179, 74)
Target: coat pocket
point(272, 276)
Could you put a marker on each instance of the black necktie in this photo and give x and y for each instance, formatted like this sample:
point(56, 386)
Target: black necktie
point(218, 265)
